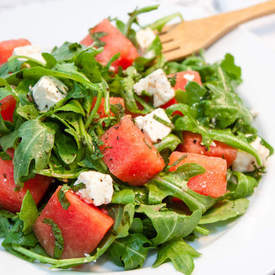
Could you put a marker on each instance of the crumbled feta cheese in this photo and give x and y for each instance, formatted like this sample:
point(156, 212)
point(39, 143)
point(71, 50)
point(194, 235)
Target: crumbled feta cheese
point(189, 77)
point(157, 85)
point(47, 92)
point(98, 187)
point(145, 38)
point(245, 162)
point(154, 129)
point(30, 51)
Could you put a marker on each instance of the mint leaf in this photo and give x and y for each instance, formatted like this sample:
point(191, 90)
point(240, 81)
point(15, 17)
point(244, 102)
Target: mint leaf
point(34, 149)
point(28, 212)
point(225, 210)
point(61, 195)
point(180, 254)
point(59, 241)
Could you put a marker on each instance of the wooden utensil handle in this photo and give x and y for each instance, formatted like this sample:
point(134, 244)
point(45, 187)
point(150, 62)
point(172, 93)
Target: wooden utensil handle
point(241, 16)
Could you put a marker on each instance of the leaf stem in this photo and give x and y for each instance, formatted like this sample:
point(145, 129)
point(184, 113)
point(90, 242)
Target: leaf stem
point(94, 110)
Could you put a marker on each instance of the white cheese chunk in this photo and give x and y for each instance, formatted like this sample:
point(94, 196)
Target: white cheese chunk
point(98, 187)
point(145, 38)
point(154, 129)
point(47, 92)
point(189, 77)
point(245, 162)
point(157, 85)
point(30, 51)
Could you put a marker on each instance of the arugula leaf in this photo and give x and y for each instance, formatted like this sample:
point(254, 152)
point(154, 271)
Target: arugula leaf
point(168, 224)
point(134, 20)
point(175, 184)
point(28, 212)
point(225, 210)
point(28, 112)
point(50, 60)
point(130, 252)
point(6, 222)
point(72, 106)
point(67, 51)
point(123, 216)
point(189, 123)
point(228, 65)
point(4, 92)
point(180, 254)
point(243, 187)
point(225, 107)
point(29, 254)
point(66, 147)
point(193, 94)
point(160, 23)
point(137, 226)
point(169, 142)
point(8, 140)
point(59, 241)
point(124, 196)
point(36, 144)
point(15, 236)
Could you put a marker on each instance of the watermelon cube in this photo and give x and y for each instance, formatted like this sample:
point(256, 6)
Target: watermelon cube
point(192, 144)
point(82, 226)
point(129, 154)
point(113, 101)
point(115, 42)
point(7, 47)
point(182, 79)
point(11, 199)
point(7, 107)
point(212, 182)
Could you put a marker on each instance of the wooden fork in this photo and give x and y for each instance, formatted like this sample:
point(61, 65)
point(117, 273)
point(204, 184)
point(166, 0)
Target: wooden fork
point(189, 37)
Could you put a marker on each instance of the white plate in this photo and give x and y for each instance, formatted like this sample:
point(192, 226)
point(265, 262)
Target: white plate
point(244, 247)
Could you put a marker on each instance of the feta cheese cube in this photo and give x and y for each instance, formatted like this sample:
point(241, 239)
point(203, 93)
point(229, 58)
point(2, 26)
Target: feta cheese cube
point(189, 77)
point(245, 162)
point(154, 129)
point(47, 92)
point(98, 187)
point(157, 85)
point(30, 51)
point(145, 38)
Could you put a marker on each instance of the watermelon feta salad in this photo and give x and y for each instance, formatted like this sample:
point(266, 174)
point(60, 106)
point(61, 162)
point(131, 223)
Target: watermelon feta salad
point(107, 149)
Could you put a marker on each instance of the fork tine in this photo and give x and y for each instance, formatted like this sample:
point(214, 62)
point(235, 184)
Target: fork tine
point(175, 54)
point(170, 46)
point(166, 37)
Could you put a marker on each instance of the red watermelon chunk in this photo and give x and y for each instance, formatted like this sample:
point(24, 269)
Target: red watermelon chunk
point(212, 182)
point(82, 225)
point(11, 199)
point(129, 154)
point(181, 82)
point(7, 107)
point(192, 144)
point(7, 47)
point(115, 42)
point(113, 101)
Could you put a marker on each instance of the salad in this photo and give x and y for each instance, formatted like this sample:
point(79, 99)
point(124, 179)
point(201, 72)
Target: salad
point(107, 149)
